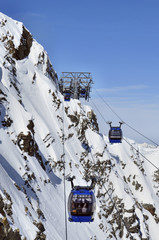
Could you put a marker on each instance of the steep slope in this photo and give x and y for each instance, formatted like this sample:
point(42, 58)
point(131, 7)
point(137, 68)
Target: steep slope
point(34, 121)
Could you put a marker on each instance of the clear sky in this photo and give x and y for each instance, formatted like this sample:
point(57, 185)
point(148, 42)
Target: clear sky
point(116, 40)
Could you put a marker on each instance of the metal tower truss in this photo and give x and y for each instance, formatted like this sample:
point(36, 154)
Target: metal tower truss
point(77, 84)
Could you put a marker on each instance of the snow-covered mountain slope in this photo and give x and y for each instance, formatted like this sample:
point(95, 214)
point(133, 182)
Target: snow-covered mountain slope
point(34, 121)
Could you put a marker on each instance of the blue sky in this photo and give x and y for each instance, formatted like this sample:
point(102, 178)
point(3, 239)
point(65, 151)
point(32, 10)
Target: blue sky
point(116, 40)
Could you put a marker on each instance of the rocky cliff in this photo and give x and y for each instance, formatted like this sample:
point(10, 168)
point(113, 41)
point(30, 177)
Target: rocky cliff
point(34, 123)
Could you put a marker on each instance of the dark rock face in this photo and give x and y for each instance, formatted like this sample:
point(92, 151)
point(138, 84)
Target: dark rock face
point(24, 47)
point(2, 96)
point(150, 208)
point(40, 234)
point(26, 143)
point(6, 232)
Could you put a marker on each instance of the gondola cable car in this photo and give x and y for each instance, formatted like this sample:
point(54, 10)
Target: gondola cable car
point(83, 93)
point(67, 94)
point(81, 202)
point(115, 134)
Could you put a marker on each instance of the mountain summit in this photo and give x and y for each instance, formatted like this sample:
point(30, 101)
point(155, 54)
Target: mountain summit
point(39, 132)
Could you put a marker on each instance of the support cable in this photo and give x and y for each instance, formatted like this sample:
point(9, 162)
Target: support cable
point(141, 154)
point(98, 110)
point(113, 202)
point(124, 121)
point(116, 208)
point(64, 166)
point(130, 143)
point(141, 134)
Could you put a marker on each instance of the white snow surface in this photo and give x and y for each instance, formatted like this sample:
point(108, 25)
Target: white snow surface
point(128, 180)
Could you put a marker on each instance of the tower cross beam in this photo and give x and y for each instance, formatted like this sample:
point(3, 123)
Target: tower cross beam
point(77, 83)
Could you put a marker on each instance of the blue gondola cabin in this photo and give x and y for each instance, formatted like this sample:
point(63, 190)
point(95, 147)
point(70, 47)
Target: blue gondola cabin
point(81, 205)
point(67, 94)
point(82, 92)
point(115, 135)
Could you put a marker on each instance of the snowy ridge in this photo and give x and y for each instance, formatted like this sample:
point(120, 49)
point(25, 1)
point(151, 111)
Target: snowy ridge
point(34, 120)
